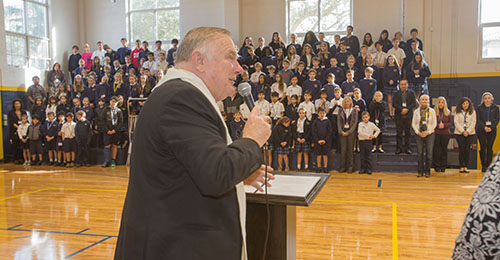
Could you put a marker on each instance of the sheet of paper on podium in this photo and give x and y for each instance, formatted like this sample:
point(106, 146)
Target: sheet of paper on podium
point(289, 185)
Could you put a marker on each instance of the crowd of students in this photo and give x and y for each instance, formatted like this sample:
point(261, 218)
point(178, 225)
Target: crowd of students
point(318, 95)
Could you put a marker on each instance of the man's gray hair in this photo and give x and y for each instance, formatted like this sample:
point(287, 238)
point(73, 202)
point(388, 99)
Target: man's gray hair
point(197, 38)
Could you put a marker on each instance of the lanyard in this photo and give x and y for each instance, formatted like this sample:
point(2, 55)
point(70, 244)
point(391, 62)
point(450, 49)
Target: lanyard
point(50, 124)
point(116, 87)
point(488, 109)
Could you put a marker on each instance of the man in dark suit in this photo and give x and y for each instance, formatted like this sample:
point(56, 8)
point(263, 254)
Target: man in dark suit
point(185, 198)
point(404, 101)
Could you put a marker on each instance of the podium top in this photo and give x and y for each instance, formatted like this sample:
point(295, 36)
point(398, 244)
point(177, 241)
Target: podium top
point(290, 188)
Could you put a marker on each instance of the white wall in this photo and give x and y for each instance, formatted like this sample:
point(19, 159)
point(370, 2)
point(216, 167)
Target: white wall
point(372, 16)
point(262, 18)
point(104, 21)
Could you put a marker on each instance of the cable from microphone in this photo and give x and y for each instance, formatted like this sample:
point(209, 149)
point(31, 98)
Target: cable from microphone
point(245, 91)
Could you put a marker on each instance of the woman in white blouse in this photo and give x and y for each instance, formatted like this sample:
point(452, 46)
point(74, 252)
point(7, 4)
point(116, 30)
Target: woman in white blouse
point(465, 129)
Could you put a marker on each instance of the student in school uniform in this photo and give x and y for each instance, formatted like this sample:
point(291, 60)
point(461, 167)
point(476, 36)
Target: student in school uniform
point(335, 106)
point(236, 126)
point(271, 75)
point(330, 86)
point(307, 56)
point(49, 131)
point(377, 115)
point(361, 59)
point(112, 121)
point(398, 53)
point(293, 57)
point(262, 103)
point(351, 41)
point(368, 85)
point(312, 84)
point(38, 109)
point(35, 141)
point(251, 60)
point(79, 89)
point(414, 38)
point(277, 42)
point(412, 50)
point(22, 133)
point(347, 120)
point(391, 76)
point(320, 73)
point(404, 101)
point(293, 43)
point(68, 139)
point(335, 47)
point(384, 40)
point(302, 137)
point(276, 108)
point(243, 52)
point(360, 105)
point(51, 106)
point(267, 59)
point(367, 131)
point(83, 134)
point(424, 123)
point(291, 110)
point(262, 86)
point(349, 85)
point(282, 137)
point(111, 54)
point(324, 56)
point(301, 73)
point(321, 40)
point(123, 51)
point(310, 39)
point(402, 43)
point(465, 120)
point(368, 42)
point(351, 61)
point(442, 131)
point(278, 59)
point(74, 58)
point(342, 55)
point(322, 102)
point(308, 105)
point(336, 70)
point(321, 132)
point(488, 117)
point(259, 50)
point(379, 58)
point(417, 73)
point(59, 161)
point(279, 87)
point(171, 52)
point(294, 89)
point(119, 87)
point(89, 111)
point(286, 73)
point(63, 106)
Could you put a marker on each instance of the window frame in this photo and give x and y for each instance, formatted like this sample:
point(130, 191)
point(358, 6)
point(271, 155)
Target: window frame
point(155, 11)
point(318, 29)
point(27, 37)
point(481, 26)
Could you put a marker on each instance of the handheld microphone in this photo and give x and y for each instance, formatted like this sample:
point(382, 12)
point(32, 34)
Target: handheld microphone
point(245, 91)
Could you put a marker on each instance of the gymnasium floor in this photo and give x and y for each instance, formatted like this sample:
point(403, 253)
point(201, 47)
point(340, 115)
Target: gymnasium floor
point(75, 213)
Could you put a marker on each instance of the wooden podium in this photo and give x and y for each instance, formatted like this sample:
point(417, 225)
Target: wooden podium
point(288, 191)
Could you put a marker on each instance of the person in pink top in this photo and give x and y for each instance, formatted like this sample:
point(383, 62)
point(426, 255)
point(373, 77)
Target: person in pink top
point(87, 56)
point(135, 54)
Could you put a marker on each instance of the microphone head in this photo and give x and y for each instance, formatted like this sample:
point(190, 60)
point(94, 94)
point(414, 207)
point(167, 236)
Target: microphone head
point(244, 89)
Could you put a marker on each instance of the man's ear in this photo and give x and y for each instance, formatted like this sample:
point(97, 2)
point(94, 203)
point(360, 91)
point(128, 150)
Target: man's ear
point(198, 60)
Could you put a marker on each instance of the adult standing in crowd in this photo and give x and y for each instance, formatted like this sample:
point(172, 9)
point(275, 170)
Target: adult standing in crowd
point(74, 58)
point(185, 197)
point(351, 41)
point(36, 90)
point(487, 121)
point(444, 122)
point(100, 52)
point(171, 51)
point(465, 128)
point(14, 118)
point(424, 123)
point(404, 102)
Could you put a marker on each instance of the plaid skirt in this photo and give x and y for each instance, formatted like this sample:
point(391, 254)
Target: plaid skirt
point(282, 150)
point(417, 88)
point(304, 147)
point(390, 90)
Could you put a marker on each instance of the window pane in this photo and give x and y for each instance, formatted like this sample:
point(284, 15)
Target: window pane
point(16, 50)
point(142, 24)
point(489, 11)
point(491, 42)
point(141, 4)
point(335, 15)
point(37, 19)
point(14, 15)
point(168, 3)
point(168, 25)
point(40, 1)
point(39, 48)
point(303, 16)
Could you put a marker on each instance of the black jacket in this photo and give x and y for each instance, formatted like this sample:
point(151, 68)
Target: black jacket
point(282, 134)
point(83, 131)
point(397, 103)
point(181, 201)
point(482, 117)
point(377, 112)
point(107, 122)
point(307, 131)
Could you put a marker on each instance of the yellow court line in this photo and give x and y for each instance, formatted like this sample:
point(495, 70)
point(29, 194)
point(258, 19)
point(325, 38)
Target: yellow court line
point(389, 203)
point(22, 194)
point(395, 254)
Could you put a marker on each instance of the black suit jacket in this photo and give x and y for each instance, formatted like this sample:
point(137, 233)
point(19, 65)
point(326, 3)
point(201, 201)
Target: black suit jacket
point(397, 102)
point(181, 201)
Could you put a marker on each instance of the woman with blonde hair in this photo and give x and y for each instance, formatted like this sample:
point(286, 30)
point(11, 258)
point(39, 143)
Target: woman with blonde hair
point(424, 124)
point(487, 120)
point(347, 120)
point(444, 122)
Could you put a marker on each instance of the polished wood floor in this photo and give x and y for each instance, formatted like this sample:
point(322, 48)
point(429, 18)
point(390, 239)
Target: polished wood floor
point(59, 213)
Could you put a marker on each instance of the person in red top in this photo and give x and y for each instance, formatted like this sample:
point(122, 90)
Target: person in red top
point(444, 121)
point(135, 53)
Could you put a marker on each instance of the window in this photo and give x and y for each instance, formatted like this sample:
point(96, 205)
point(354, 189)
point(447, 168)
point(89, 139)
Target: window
point(27, 37)
point(328, 16)
point(153, 20)
point(489, 29)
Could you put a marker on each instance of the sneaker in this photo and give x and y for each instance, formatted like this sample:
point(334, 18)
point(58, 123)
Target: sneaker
point(380, 150)
point(369, 172)
point(113, 163)
point(420, 174)
point(25, 163)
point(374, 150)
point(408, 152)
